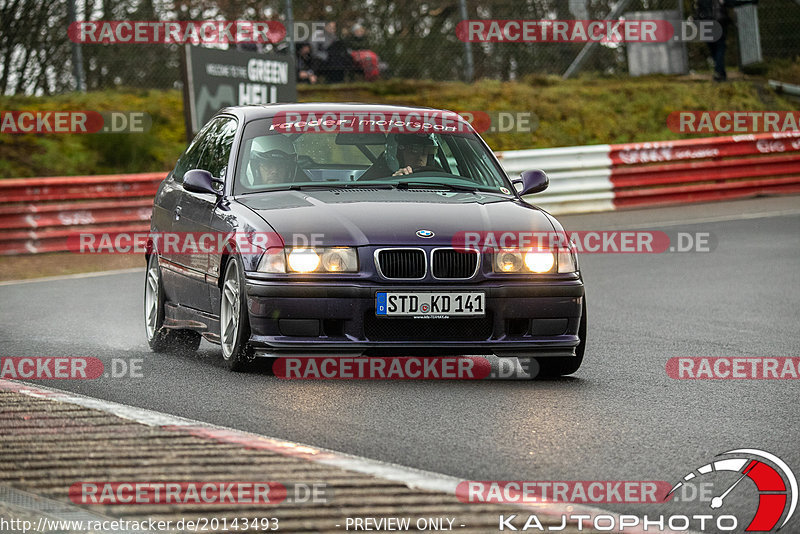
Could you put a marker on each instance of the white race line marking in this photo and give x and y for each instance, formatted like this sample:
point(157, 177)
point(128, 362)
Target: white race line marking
point(411, 477)
point(138, 415)
point(72, 276)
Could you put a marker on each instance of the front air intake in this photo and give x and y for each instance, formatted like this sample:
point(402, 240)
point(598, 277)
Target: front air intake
point(401, 263)
point(451, 264)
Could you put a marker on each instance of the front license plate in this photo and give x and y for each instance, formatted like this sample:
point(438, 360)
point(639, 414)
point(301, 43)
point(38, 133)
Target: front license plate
point(423, 305)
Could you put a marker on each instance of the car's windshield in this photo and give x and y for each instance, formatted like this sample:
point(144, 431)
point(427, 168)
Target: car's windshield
point(458, 161)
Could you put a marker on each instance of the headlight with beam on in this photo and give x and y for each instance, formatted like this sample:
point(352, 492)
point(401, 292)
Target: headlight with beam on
point(532, 261)
point(303, 260)
point(540, 261)
point(310, 260)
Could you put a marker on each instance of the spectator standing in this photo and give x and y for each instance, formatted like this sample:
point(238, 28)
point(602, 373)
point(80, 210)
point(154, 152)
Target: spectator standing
point(719, 11)
point(365, 59)
point(335, 60)
point(306, 64)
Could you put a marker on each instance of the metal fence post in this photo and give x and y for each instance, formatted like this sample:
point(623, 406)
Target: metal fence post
point(290, 27)
point(470, 73)
point(77, 55)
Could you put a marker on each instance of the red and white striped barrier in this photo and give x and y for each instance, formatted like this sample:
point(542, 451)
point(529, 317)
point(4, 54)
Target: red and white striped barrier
point(38, 214)
point(608, 177)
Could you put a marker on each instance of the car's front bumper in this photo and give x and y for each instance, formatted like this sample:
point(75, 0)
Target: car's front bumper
point(312, 318)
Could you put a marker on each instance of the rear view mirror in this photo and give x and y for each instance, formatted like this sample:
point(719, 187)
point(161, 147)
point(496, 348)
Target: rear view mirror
point(354, 139)
point(531, 182)
point(199, 181)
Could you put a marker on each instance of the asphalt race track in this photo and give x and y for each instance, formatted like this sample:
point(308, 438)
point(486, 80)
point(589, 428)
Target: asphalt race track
point(619, 418)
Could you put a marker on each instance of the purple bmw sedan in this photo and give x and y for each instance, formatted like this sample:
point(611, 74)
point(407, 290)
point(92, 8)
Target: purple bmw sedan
point(348, 229)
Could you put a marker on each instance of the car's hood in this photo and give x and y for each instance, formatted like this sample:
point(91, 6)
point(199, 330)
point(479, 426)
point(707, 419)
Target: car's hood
point(390, 216)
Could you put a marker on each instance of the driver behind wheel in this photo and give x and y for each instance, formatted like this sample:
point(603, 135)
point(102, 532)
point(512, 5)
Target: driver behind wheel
point(273, 160)
point(414, 152)
point(404, 154)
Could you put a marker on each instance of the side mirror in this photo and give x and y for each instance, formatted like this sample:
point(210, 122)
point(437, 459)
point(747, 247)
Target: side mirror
point(531, 182)
point(199, 181)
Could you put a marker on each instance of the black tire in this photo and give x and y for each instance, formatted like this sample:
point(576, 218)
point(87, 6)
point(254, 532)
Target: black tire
point(562, 366)
point(234, 322)
point(160, 338)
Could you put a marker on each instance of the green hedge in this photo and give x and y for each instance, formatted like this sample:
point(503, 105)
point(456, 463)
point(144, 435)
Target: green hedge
point(587, 110)
point(23, 155)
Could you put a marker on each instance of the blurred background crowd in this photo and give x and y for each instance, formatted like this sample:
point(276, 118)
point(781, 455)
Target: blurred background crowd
point(335, 58)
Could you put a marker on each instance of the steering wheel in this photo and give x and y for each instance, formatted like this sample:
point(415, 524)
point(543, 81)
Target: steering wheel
point(305, 161)
point(434, 168)
point(423, 168)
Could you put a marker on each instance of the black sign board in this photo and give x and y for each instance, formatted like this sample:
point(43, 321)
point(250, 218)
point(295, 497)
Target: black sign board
point(216, 78)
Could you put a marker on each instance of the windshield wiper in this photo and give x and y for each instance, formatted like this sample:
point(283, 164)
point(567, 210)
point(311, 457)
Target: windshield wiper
point(333, 185)
point(436, 185)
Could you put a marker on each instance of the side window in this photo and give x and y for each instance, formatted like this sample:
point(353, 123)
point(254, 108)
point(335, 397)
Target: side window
point(483, 166)
point(191, 157)
point(466, 158)
point(217, 146)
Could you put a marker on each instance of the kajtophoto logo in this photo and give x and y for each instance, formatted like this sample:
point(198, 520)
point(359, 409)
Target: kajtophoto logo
point(775, 482)
point(775, 491)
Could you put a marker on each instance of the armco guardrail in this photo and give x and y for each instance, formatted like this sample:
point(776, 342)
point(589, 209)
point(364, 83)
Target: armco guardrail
point(38, 214)
point(607, 177)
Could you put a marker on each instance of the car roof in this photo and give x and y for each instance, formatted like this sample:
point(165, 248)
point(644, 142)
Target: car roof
point(248, 113)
